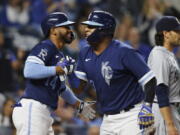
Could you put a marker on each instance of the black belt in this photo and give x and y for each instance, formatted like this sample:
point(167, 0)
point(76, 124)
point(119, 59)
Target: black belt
point(177, 104)
point(118, 112)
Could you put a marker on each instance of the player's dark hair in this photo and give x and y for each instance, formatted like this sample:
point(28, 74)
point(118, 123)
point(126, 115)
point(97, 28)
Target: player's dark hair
point(159, 38)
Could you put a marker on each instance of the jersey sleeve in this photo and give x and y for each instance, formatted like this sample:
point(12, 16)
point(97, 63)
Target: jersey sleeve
point(80, 72)
point(135, 63)
point(40, 54)
point(160, 66)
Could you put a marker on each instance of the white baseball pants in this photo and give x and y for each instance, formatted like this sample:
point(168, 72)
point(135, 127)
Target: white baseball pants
point(125, 123)
point(33, 118)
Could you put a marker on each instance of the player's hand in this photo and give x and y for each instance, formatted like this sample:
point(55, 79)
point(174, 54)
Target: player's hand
point(68, 64)
point(145, 117)
point(86, 110)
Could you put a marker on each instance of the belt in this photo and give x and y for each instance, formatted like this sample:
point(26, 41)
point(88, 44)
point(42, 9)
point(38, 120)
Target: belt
point(17, 105)
point(34, 101)
point(118, 112)
point(176, 104)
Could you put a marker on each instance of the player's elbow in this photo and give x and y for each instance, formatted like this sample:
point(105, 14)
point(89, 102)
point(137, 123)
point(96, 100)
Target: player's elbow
point(162, 92)
point(28, 71)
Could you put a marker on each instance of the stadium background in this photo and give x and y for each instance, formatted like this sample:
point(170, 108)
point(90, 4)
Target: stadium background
point(20, 31)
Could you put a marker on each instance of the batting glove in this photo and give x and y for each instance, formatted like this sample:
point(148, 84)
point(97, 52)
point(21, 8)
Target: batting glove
point(68, 64)
point(145, 117)
point(86, 110)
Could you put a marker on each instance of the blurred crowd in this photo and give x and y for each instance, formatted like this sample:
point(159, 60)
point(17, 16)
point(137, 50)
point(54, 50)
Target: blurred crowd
point(20, 30)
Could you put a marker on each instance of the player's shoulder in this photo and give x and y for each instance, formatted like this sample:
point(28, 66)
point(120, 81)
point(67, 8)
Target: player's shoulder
point(45, 45)
point(85, 50)
point(121, 47)
point(159, 51)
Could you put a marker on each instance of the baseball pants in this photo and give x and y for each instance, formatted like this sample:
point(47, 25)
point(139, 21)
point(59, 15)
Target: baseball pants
point(32, 118)
point(124, 123)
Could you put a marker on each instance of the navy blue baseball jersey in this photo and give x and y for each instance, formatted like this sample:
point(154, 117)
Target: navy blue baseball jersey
point(118, 74)
point(45, 90)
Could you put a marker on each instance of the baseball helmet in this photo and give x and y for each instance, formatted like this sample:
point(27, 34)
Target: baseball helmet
point(105, 23)
point(55, 19)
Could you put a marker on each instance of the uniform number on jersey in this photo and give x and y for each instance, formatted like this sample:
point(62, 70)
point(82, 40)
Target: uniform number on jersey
point(51, 82)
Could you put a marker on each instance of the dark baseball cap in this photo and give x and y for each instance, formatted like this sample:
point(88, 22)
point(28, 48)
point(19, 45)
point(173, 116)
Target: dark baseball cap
point(167, 23)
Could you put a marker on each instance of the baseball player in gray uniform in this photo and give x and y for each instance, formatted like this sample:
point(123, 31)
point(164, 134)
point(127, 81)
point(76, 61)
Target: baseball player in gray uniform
point(163, 63)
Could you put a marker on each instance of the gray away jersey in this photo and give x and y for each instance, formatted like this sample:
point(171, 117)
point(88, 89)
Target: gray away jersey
point(165, 67)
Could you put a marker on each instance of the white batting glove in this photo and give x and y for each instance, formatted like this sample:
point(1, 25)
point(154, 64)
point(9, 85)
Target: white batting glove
point(86, 110)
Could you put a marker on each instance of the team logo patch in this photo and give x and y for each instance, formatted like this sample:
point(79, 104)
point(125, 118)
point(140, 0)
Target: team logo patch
point(106, 72)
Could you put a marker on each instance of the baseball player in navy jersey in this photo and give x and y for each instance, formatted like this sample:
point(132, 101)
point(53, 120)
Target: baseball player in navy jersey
point(45, 69)
point(119, 76)
point(163, 63)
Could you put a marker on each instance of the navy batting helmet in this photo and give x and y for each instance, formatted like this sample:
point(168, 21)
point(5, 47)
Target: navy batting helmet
point(105, 23)
point(55, 19)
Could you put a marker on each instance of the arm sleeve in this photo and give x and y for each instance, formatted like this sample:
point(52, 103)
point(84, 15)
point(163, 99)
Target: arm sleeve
point(149, 90)
point(162, 92)
point(38, 71)
point(135, 63)
point(68, 96)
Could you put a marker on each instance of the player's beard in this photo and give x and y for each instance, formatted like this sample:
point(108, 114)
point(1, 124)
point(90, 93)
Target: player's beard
point(94, 39)
point(67, 38)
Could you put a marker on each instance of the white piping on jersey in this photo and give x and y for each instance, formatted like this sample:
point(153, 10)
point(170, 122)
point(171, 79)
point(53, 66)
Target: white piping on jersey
point(30, 118)
point(81, 75)
point(35, 59)
point(148, 76)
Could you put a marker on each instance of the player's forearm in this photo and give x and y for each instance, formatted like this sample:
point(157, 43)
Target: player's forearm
point(162, 91)
point(166, 113)
point(38, 71)
point(69, 97)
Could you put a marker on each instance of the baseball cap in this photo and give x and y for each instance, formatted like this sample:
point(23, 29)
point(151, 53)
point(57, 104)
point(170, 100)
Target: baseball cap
point(167, 23)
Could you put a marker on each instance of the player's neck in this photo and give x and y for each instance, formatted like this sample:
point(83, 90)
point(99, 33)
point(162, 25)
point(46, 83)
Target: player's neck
point(57, 43)
point(100, 47)
point(168, 46)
